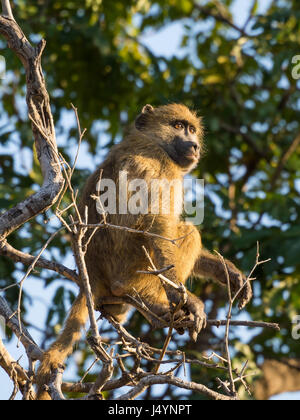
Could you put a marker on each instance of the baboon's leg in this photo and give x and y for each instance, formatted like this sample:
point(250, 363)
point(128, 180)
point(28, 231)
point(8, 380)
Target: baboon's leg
point(117, 311)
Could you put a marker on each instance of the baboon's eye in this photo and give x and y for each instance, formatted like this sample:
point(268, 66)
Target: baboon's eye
point(178, 125)
point(192, 129)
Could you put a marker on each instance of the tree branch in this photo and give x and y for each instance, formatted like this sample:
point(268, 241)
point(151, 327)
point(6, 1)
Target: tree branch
point(11, 320)
point(38, 103)
point(17, 374)
point(158, 322)
point(163, 379)
point(210, 12)
point(284, 159)
point(6, 10)
point(18, 256)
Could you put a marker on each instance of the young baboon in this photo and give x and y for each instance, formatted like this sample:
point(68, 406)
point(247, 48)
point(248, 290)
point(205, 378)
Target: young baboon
point(165, 143)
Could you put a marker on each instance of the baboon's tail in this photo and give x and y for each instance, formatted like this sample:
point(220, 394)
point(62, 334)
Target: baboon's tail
point(63, 346)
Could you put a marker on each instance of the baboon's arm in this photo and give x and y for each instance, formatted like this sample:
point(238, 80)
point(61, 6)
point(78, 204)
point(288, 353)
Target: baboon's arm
point(165, 255)
point(210, 266)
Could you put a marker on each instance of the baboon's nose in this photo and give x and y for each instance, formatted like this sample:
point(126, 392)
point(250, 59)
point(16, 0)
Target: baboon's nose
point(193, 147)
point(196, 147)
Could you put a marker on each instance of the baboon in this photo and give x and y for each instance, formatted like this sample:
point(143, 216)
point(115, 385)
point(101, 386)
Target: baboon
point(164, 143)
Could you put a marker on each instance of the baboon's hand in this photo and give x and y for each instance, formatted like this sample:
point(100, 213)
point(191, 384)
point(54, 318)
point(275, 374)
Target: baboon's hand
point(238, 281)
point(194, 309)
point(192, 313)
point(246, 294)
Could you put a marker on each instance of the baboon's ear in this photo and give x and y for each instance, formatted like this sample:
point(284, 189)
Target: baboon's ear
point(141, 120)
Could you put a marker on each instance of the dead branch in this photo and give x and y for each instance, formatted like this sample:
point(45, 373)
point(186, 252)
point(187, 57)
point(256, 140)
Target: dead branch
point(131, 230)
point(18, 256)
point(18, 375)
point(158, 322)
point(85, 388)
point(12, 321)
point(6, 10)
point(45, 142)
point(54, 387)
point(232, 390)
point(165, 281)
point(79, 233)
point(249, 324)
point(102, 379)
point(42, 126)
point(163, 379)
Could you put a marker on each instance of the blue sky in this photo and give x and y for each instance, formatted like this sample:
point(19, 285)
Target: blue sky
point(165, 42)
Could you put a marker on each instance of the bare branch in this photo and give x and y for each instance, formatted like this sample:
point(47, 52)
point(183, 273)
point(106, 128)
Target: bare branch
point(18, 256)
point(31, 268)
point(43, 128)
point(249, 324)
point(9, 365)
point(6, 9)
point(226, 339)
point(54, 387)
point(180, 287)
point(32, 350)
point(130, 230)
point(161, 323)
point(102, 379)
point(162, 379)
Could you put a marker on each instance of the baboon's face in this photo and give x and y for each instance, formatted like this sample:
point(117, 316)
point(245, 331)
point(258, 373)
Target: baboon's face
point(176, 129)
point(184, 147)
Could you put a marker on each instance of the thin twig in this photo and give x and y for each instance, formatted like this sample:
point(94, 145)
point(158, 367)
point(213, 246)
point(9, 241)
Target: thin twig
point(226, 339)
point(30, 269)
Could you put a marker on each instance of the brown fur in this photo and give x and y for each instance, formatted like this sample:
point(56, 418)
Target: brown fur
point(60, 350)
point(149, 151)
